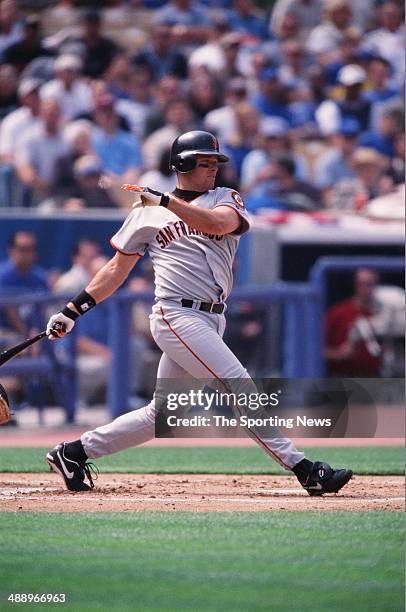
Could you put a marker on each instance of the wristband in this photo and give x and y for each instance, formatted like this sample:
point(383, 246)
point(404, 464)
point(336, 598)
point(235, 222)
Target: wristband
point(71, 314)
point(84, 302)
point(164, 201)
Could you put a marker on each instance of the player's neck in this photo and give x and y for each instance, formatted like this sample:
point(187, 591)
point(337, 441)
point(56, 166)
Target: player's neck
point(187, 194)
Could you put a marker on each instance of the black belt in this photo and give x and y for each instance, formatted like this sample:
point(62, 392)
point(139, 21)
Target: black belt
point(205, 306)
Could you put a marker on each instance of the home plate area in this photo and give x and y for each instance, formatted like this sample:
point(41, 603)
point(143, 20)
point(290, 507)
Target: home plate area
point(194, 493)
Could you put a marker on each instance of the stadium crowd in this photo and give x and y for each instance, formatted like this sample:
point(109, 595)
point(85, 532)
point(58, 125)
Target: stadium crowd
point(306, 97)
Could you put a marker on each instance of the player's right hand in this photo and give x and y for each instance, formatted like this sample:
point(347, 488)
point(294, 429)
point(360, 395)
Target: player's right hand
point(58, 326)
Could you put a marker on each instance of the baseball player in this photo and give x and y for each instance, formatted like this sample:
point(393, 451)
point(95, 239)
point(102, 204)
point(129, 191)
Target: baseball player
point(192, 235)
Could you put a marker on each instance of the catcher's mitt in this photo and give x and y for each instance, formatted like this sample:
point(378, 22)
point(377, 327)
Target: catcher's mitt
point(5, 414)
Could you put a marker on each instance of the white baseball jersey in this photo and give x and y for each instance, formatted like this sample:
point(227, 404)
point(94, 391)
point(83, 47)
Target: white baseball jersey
point(187, 262)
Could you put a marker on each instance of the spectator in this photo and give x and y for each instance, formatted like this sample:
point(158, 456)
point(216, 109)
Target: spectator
point(205, 95)
point(292, 71)
point(378, 88)
point(335, 164)
point(190, 22)
point(324, 39)
point(118, 151)
point(246, 18)
point(98, 50)
point(283, 190)
point(353, 104)
point(161, 56)
point(212, 57)
point(10, 27)
point(78, 276)
point(77, 136)
point(272, 96)
point(101, 99)
point(163, 177)
point(167, 89)
point(20, 274)
point(369, 181)
point(118, 75)
point(346, 352)
point(15, 124)
point(307, 13)
point(41, 146)
point(136, 107)
point(244, 138)
point(71, 91)
point(348, 52)
point(221, 120)
point(178, 119)
point(273, 142)
point(388, 41)
point(87, 191)
point(24, 51)
point(8, 90)
point(391, 124)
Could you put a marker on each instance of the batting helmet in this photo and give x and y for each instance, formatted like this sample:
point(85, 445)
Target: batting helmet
point(186, 147)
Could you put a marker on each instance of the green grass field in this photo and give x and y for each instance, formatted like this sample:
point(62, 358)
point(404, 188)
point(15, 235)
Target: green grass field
point(226, 561)
point(200, 460)
point(289, 561)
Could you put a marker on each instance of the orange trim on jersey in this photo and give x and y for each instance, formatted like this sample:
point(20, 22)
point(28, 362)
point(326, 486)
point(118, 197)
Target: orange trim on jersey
point(261, 442)
point(122, 252)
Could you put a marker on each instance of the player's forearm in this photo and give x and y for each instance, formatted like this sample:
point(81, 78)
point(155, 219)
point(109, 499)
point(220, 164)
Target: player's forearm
point(199, 218)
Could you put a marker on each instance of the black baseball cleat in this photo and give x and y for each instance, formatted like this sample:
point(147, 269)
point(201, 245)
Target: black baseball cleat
point(73, 472)
point(322, 479)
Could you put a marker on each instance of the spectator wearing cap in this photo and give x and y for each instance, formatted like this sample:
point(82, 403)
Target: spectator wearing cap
point(8, 89)
point(86, 191)
point(335, 164)
point(370, 181)
point(219, 55)
point(10, 25)
point(21, 53)
point(160, 56)
point(388, 41)
point(77, 136)
point(248, 19)
point(73, 94)
point(390, 125)
point(190, 22)
point(271, 98)
point(325, 38)
point(283, 190)
point(15, 124)
point(273, 141)
point(348, 52)
point(98, 50)
point(378, 88)
point(307, 13)
point(37, 153)
point(118, 151)
point(221, 120)
point(352, 104)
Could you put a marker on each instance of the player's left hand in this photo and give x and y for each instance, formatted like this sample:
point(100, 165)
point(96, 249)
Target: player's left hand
point(149, 197)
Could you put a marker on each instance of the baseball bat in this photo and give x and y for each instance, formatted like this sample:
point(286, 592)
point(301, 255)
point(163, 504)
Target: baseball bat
point(14, 350)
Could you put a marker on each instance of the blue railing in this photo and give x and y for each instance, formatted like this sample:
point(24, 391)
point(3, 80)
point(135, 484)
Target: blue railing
point(304, 306)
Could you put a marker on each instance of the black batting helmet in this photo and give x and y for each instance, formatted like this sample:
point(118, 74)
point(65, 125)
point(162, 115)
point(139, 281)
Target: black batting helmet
point(186, 147)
